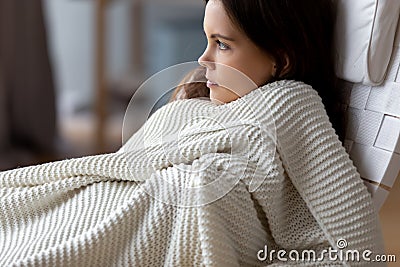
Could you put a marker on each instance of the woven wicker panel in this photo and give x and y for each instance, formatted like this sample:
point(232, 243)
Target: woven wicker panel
point(373, 129)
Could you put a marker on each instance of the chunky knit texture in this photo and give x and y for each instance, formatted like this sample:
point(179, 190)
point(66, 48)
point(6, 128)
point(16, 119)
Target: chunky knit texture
point(279, 177)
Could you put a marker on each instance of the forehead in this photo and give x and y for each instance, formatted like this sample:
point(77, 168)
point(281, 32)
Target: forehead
point(217, 20)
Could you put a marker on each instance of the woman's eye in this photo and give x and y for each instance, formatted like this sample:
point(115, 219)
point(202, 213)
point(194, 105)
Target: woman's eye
point(222, 46)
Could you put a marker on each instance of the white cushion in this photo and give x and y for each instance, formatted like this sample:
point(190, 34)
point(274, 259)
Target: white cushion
point(364, 36)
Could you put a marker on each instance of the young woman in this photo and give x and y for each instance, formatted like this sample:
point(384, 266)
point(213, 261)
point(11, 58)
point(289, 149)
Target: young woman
point(254, 177)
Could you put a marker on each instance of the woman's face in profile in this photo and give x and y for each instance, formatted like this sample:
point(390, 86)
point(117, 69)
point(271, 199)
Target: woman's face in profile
point(235, 65)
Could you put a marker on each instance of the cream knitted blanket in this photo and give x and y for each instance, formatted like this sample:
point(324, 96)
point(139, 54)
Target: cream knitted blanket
point(197, 185)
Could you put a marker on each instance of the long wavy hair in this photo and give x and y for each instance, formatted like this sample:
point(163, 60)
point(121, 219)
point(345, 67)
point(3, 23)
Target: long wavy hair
point(300, 31)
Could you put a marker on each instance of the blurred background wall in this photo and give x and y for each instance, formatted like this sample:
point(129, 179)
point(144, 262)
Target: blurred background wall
point(51, 52)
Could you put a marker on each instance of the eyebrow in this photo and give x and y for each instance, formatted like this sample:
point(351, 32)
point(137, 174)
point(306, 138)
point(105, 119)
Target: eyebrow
point(217, 35)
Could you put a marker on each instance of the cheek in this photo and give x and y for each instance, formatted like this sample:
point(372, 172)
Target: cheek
point(235, 78)
point(255, 65)
point(262, 75)
point(260, 70)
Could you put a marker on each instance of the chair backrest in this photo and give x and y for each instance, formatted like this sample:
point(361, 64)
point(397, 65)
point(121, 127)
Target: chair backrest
point(368, 61)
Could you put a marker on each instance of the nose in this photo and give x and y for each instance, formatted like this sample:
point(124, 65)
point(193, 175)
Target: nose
point(206, 60)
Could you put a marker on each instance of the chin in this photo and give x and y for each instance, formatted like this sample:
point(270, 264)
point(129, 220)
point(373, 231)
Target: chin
point(221, 95)
point(216, 102)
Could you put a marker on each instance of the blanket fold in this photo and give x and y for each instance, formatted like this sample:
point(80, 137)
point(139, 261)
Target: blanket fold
point(198, 185)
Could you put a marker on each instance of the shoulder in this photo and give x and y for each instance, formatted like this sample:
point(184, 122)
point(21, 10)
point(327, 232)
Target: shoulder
point(293, 100)
point(286, 91)
point(298, 113)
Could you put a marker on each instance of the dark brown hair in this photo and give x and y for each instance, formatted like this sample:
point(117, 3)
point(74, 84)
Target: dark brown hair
point(300, 31)
point(191, 86)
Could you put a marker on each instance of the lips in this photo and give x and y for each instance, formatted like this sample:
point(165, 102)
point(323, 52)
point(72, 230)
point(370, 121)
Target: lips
point(211, 83)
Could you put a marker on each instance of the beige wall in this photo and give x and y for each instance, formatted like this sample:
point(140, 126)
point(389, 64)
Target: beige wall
point(390, 221)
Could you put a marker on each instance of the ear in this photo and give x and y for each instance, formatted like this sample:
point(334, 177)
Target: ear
point(286, 65)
